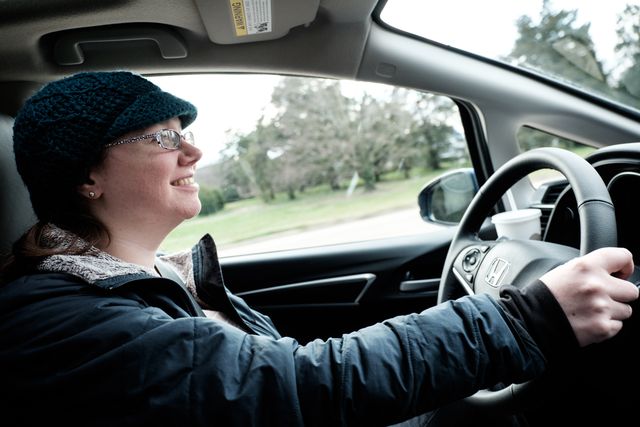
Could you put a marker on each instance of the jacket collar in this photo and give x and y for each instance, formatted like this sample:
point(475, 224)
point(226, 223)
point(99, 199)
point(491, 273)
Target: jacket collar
point(99, 268)
point(198, 270)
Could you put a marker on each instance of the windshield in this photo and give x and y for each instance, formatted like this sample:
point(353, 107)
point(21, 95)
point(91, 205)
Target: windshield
point(593, 46)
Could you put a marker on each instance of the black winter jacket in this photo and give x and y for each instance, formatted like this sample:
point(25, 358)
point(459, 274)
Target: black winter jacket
point(90, 340)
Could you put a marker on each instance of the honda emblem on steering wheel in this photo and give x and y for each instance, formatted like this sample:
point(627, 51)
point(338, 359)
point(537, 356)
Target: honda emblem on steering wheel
point(497, 271)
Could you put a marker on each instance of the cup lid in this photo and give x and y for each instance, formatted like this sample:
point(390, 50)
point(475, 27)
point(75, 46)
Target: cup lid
point(518, 215)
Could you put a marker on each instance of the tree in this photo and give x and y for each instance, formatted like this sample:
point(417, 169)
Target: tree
point(252, 151)
point(235, 183)
point(629, 47)
point(431, 134)
point(317, 135)
point(559, 46)
point(211, 200)
point(313, 118)
point(380, 121)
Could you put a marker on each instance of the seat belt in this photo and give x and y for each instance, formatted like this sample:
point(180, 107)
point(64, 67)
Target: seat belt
point(168, 272)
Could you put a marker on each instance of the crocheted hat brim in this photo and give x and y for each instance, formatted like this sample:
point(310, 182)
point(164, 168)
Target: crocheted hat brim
point(149, 109)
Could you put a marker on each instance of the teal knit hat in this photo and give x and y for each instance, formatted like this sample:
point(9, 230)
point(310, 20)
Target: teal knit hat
point(61, 131)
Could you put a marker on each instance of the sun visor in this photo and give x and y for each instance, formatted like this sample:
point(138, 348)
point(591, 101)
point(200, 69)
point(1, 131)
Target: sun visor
point(242, 21)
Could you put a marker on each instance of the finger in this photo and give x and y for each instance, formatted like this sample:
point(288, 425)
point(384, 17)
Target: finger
point(616, 261)
point(614, 327)
point(608, 330)
point(620, 311)
point(622, 290)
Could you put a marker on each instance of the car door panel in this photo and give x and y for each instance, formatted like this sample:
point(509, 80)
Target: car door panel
point(330, 290)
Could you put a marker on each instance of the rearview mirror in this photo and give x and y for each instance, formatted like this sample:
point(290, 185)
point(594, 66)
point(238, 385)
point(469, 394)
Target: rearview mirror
point(445, 199)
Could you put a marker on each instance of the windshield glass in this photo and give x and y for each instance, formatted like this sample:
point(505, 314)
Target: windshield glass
point(592, 46)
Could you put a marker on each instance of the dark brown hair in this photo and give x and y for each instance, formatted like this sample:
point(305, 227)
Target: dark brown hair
point(32, 247)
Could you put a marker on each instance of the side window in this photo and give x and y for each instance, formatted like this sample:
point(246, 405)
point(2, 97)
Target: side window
point(530, 138)
point(292, 162)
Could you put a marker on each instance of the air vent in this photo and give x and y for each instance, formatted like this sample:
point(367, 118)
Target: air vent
point(544, 218)
point(549, 196)
point(552, 193)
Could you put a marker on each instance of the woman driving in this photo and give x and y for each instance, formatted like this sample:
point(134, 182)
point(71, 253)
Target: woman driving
point(98, 328)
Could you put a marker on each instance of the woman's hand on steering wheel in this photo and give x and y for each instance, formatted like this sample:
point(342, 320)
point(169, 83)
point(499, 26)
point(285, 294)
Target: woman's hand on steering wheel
point(593, 292)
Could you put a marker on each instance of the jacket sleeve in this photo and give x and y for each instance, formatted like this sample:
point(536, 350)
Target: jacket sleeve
point(149, 367)
point(375, 376)
point(536, 309)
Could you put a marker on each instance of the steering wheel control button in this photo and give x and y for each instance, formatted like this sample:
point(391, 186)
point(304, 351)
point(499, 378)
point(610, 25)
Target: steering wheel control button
point(471, 260)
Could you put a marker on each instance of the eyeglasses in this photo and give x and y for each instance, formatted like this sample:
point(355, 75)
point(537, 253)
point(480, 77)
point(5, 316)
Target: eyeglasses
point(168, 139)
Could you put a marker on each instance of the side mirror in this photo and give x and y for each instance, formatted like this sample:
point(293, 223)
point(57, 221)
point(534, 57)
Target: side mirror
point(445, 199)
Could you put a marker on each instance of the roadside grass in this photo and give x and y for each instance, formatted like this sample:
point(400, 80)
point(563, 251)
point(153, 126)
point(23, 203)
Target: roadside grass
point(252, 219)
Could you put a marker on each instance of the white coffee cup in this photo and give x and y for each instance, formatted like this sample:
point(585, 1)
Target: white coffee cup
point(521, 224)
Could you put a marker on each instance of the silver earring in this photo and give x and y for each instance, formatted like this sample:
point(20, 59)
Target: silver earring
point(92, 194)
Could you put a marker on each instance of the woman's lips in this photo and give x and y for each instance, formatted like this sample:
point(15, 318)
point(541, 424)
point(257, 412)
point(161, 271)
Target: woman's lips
point(183, 181)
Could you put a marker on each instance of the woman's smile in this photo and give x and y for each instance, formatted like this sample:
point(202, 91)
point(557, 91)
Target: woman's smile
point(180, 182)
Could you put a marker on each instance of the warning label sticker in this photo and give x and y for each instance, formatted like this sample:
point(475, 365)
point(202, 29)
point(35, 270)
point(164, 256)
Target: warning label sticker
point(251, 16)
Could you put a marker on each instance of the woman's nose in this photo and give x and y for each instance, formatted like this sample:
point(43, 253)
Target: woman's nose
point(190, 153)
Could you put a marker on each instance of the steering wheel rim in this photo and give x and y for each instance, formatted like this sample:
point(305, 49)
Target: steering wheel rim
point(597, 229)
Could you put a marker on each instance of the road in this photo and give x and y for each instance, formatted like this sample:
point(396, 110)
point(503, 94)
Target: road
point(399, 223)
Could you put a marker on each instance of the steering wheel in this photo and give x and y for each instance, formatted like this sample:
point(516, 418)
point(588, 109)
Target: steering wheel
point(474, 265)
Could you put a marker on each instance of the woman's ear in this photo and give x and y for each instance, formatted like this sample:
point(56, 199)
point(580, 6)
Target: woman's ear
point(90, 189)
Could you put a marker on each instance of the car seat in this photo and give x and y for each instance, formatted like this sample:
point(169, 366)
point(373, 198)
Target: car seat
point(16, 213)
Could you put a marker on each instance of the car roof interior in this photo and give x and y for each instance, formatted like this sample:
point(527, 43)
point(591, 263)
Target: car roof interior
point(185, 36)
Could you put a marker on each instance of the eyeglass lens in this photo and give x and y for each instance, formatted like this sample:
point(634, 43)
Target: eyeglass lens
point(188, 136)
point(171, 139)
